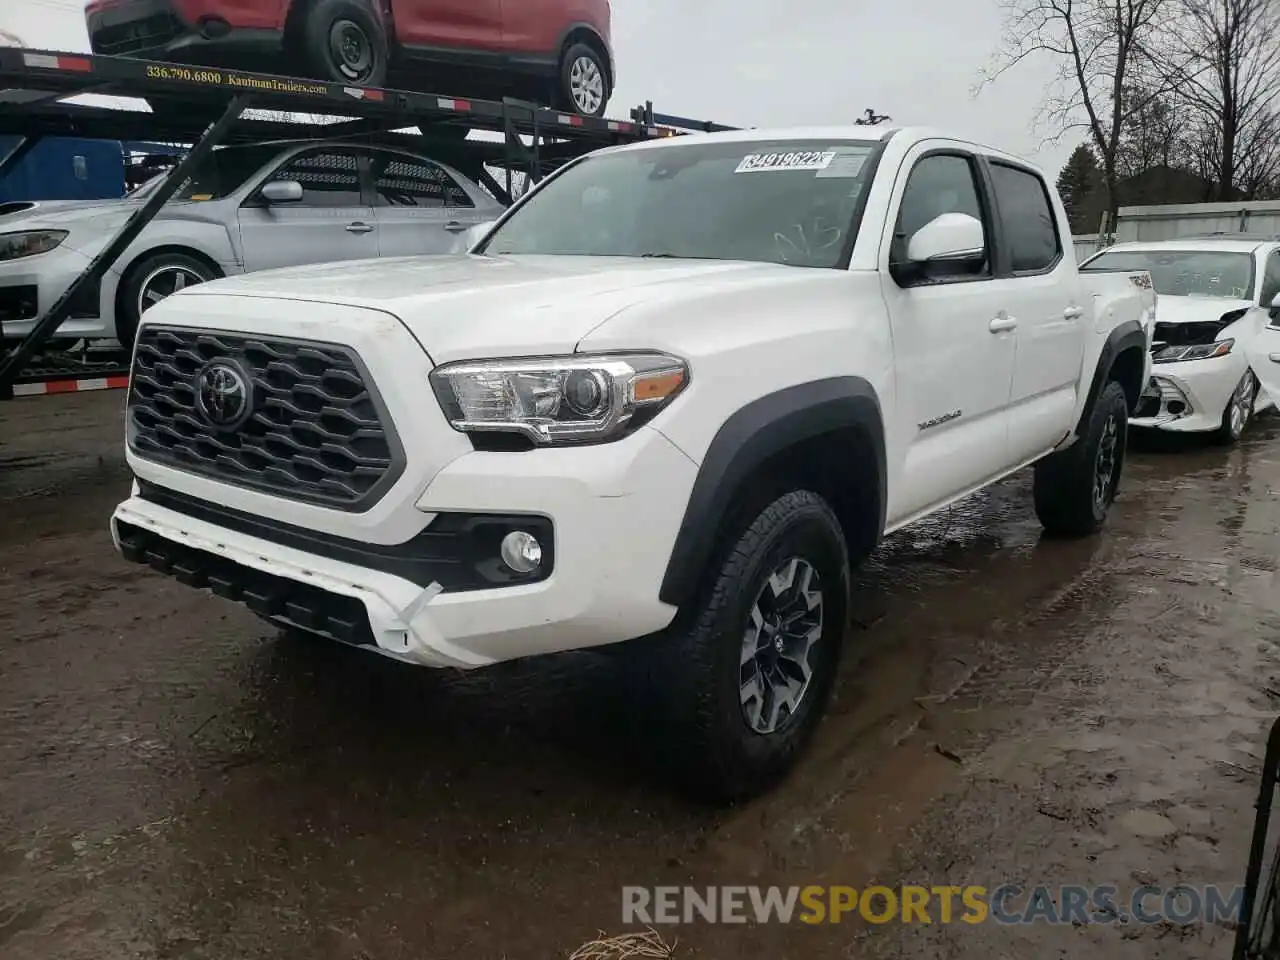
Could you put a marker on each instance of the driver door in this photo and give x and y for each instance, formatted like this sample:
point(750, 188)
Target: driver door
point(953, 348)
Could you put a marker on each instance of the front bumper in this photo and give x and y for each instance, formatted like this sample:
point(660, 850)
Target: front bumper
point(612, 538)
point(1189, 397)
point(31, 285)
point(159, 30)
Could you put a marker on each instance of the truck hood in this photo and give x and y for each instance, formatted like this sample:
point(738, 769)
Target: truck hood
point(470, 307)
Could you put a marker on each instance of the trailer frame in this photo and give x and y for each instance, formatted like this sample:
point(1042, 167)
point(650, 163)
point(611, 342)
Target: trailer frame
point(204, 108)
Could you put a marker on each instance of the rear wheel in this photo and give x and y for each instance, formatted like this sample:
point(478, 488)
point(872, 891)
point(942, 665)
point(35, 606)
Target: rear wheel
point(584, 81)
point(1239, 411)
point(742, 685)
point(343, 42)
point(1074, 488)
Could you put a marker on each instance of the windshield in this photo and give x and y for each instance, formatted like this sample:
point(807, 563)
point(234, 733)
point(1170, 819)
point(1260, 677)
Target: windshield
point(1186, 273)
point(790, 202)
point(222, 173)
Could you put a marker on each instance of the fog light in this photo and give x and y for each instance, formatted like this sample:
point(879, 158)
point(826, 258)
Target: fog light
point(521, 551)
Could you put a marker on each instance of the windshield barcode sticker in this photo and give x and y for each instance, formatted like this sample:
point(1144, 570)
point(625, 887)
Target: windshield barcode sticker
point(847, 166)
point(798, 160)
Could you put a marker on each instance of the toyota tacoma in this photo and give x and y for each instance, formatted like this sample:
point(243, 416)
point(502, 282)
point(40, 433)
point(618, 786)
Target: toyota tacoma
point(671, 397)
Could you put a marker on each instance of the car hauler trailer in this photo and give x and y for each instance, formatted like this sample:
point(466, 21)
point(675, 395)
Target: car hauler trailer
point(218, 107)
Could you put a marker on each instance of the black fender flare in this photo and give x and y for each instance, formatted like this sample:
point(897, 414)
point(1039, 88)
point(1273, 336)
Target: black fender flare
point(744, 442)
point(1127, 335)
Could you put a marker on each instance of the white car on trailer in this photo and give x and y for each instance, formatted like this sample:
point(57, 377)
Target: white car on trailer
point(1214, 296)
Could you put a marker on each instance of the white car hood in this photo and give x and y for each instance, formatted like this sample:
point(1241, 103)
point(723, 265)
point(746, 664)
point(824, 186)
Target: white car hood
point(1192, 309)
point(468, 307)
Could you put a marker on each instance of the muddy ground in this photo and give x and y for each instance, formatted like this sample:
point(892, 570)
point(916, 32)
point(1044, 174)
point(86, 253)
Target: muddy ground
point(178, 782)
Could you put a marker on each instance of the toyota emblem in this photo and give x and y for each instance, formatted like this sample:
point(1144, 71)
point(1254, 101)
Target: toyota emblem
point(223, 395)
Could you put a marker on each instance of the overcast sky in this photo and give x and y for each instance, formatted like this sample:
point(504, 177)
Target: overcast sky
point(757, 63)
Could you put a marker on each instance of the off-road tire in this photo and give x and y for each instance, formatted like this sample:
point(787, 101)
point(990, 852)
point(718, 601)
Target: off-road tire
point(1228, 433)
point(1065, 481)
point(316, 42)
point(694, 672)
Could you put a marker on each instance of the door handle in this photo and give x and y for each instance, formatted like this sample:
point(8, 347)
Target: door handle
point(1274, 358)
point(1073, 313)
point(454, 226)
point(1002, 323)
point(359, 227)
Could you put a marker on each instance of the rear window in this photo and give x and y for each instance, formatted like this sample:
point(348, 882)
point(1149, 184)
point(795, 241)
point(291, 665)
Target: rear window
point(1185, 273)
point(1026, 216)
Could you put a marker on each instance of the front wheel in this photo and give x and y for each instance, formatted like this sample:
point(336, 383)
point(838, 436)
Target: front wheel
point(1074, 488)
point(1239, 411)
point(584, 81)
point(151, 280)
point(743, 684)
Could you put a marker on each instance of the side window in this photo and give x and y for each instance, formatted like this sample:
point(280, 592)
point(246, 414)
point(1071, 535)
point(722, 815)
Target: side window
point(1270, 279)
point(938, 184)
point(402, 181)
point(1026, 218)
point(329, 178)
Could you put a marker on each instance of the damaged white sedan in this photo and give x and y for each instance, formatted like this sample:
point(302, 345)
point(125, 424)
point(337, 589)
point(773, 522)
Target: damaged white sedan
point(1214, 298)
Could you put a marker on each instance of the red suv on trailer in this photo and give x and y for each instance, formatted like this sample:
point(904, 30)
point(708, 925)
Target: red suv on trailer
point(540, 49)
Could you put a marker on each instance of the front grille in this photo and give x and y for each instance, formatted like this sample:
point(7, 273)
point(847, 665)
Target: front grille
point(146, 33)
point(313, 428)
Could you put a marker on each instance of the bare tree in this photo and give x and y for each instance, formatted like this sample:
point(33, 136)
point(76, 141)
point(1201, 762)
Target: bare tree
point(1100, 50)
point(1223, 57)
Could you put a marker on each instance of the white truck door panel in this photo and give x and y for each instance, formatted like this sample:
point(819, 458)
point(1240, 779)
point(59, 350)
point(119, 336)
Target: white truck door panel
point(330, 223)
point(953, 345)
point(1052, 318)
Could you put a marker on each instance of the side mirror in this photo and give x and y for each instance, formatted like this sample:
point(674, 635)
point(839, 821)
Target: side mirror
point(282, 191)
point(477, 233)
point(1275, 308)
point(950, 238)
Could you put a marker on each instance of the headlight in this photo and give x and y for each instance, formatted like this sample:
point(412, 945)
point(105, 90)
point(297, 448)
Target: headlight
point(579, 399)
point(1200, 352)
point(15, 246)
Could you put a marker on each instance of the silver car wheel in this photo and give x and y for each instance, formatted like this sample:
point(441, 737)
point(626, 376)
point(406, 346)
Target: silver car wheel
point(586, 85)
point(1241, 409)
point(164, 282)
point(784, 625)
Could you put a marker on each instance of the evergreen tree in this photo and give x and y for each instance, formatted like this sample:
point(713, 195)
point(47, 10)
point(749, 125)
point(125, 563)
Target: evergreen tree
point(1077, 184)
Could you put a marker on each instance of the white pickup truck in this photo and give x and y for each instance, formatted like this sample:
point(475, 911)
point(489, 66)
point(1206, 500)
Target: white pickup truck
point(671, 397)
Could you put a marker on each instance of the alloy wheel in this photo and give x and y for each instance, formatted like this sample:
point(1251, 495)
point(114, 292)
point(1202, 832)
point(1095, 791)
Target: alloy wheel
point(1242, 405)
point(586, 85)
point(1105, 464)
point(163, 283)
point(783, 628)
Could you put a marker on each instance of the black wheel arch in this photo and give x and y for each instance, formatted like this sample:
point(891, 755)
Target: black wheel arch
point(840, 414)
point(1122, 359)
